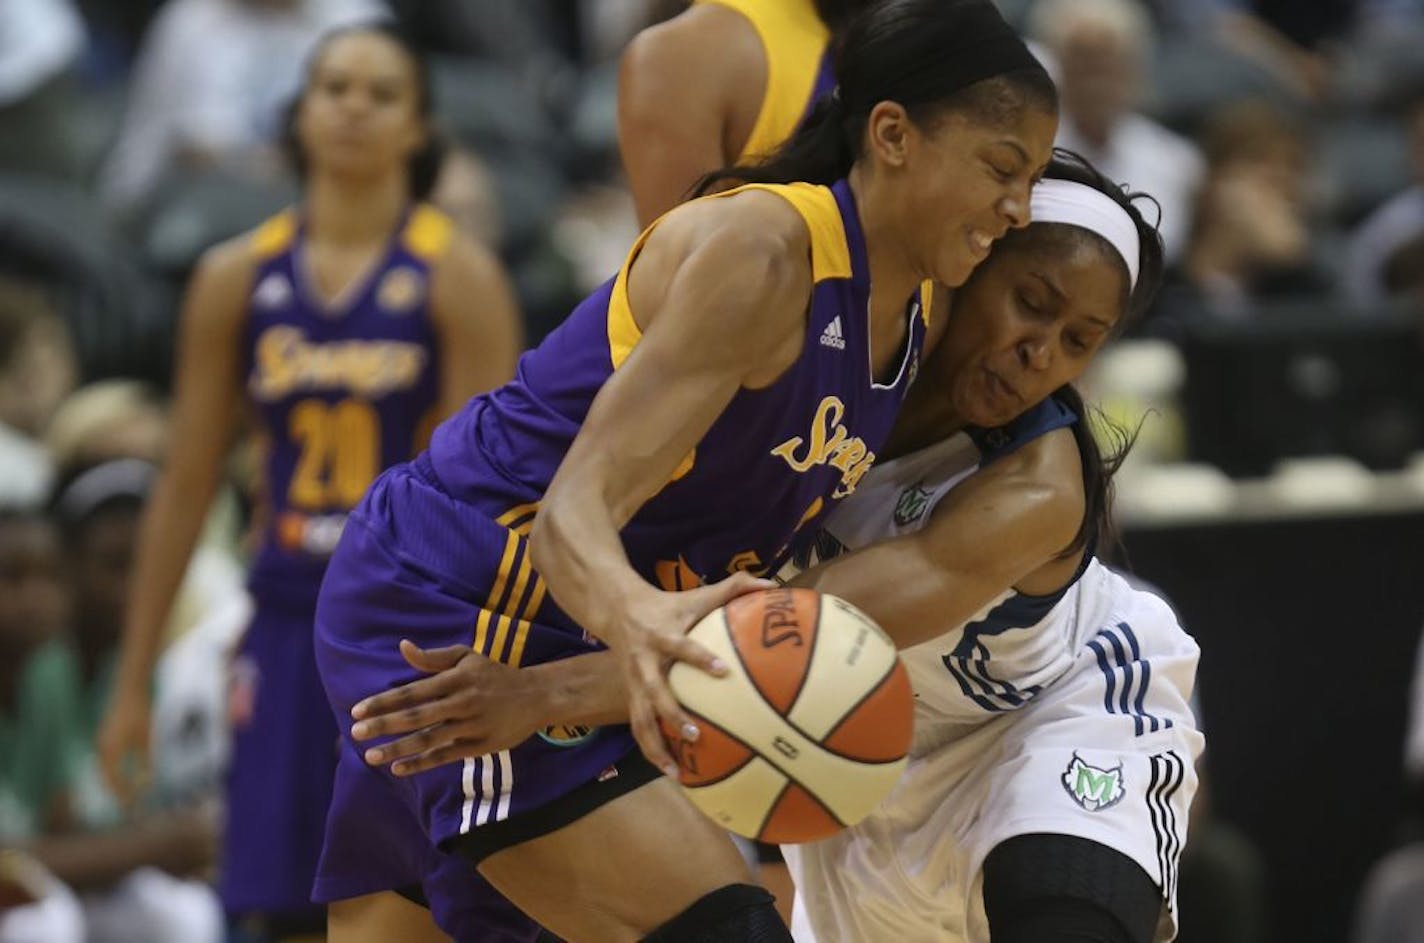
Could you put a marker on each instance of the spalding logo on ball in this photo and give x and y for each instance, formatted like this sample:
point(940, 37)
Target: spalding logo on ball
point(809, 730)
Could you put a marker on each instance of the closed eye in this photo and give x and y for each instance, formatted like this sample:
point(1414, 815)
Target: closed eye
point(1029, 304)
point(999, 173)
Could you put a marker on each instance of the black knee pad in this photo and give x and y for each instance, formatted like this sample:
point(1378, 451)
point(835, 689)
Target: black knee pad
point(1059, 920)
point(1065, 889)
point(737, 913)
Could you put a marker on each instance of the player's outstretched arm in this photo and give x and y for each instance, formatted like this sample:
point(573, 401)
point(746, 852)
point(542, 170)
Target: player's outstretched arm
point(987, 535)
point(472, 705)
point(204, 421)
point(719, 294)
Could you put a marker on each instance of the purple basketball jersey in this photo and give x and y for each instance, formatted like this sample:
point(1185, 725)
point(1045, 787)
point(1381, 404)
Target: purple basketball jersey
point(343, 389)
point(772, 464)
point(340, 390)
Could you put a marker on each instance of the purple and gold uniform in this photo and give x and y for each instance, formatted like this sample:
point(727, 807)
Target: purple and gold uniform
point(437, 552)
point(798, 68)
point(341, 391)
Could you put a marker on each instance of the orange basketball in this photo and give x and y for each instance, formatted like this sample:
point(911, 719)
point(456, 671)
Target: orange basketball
point(809, 730)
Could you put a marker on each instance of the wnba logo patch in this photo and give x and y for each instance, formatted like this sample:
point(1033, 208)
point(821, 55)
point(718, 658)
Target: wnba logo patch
point(400, 291)
point(567, 735)
point(1092, 788)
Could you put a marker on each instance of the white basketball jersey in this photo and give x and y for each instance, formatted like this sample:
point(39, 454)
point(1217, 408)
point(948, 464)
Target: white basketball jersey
point(1065, 714)
point(1016, 645)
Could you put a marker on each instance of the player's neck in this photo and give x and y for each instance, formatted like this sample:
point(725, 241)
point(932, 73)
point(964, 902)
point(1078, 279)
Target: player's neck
point(926, 418)
point(353, 212)
point(893, 277)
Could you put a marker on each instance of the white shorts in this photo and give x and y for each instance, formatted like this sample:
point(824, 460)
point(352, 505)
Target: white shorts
point(1105, 753)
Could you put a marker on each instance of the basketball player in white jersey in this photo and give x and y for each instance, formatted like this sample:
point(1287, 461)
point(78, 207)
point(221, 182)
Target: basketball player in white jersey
point(1047, 793)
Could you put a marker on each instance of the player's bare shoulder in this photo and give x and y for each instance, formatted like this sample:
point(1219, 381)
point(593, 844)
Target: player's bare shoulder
point(743, 261)
point(1049, 466)
point(223, 279)
point(715, 48)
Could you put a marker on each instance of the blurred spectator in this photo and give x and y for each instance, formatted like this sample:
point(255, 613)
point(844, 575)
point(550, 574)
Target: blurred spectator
point(35, 677)
point(38, 369)
point(1391, 905)
point(1299, 43)
point(97, 508)
point(1379, 251)
point(39, 42)
point(210, 85)
point(125, 419)
point(48, 805)
point(1251, 238)
point(1100, 48)
point(34, 907)
point(107, 420)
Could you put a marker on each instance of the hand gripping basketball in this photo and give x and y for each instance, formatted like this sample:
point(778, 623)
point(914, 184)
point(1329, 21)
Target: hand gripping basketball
point(808, 729)
point(653, 638)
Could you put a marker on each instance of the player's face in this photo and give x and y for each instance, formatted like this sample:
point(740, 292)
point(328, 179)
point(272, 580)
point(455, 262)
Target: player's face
point(967, 185)
point(359, 113)
point(1028, 321)
point(34, 598)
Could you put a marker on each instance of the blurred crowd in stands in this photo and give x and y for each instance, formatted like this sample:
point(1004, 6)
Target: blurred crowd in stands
point(1282, 140)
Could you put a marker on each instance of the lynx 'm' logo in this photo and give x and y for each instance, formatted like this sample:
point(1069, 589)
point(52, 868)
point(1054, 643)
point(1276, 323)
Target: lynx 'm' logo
point(1092, 788)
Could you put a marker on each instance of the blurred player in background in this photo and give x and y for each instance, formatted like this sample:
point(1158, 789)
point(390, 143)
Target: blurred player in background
point(723, 83)
point(348, 324)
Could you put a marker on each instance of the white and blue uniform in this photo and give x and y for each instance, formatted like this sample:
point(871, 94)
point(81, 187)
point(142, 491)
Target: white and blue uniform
point(1064, 714)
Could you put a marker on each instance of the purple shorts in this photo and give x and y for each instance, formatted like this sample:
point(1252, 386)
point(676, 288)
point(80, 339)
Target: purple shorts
point(415, 563)
point(284, 747)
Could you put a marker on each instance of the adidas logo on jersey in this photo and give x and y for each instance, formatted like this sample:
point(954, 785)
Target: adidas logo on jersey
point(832, 336)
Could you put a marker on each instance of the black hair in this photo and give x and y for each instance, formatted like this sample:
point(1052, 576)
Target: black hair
point(837, 14)
point(932, 57)
point(423, 168)
point(1099, 465)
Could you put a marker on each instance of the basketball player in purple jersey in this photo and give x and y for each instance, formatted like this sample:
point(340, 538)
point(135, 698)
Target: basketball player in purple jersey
point(724, 82)
point(349, 324)
point(682, 425)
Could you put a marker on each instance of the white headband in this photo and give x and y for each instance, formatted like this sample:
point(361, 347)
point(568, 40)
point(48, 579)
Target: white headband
point(1077, 204)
